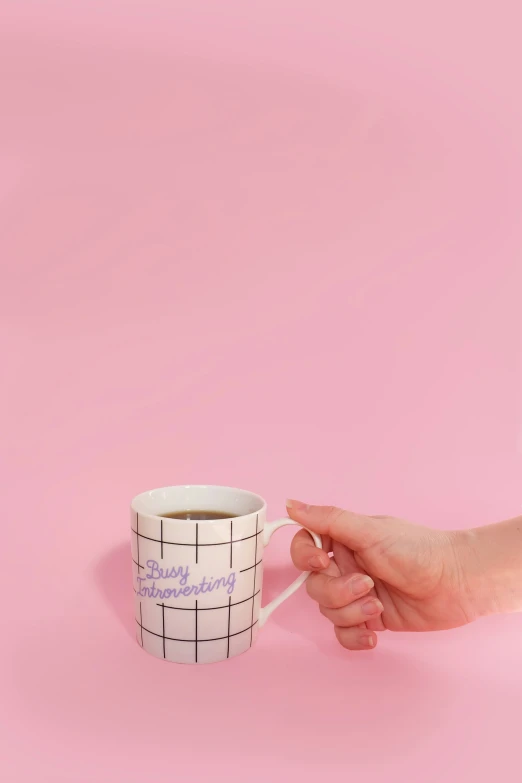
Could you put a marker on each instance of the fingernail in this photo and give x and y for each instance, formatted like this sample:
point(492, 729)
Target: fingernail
point(372, 607)
point(369, 641)
point(317, 562)
point(296, 505)
point(360, 584)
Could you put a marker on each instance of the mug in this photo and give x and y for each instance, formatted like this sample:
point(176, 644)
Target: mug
point(198, 583)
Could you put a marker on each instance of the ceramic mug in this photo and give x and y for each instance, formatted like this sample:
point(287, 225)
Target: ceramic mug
point(198, 584)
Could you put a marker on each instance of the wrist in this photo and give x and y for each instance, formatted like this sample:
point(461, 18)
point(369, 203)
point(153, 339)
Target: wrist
point(476, 599)
point(490, 568)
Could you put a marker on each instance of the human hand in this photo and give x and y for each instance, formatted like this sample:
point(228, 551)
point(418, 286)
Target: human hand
point(385, 573)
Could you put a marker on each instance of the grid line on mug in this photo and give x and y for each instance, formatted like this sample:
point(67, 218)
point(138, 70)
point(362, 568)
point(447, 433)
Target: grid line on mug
point(197, 544)
point(197, 611)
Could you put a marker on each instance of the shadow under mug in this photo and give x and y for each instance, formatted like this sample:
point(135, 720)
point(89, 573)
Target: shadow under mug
point(198, 583)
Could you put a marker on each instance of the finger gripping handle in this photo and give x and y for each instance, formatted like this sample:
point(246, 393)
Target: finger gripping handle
point(269, 530)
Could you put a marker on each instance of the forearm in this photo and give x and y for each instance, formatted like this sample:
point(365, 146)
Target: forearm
point(491, 566)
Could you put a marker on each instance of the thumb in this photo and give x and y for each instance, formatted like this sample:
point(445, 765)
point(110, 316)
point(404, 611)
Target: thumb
point(354, 530)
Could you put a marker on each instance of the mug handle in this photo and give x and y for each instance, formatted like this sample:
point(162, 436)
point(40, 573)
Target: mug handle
point(269, 530)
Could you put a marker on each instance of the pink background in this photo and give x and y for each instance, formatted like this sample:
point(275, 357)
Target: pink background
point(275, 245)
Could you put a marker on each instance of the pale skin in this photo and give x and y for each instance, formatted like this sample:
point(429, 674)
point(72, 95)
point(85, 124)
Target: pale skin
point(376, 572)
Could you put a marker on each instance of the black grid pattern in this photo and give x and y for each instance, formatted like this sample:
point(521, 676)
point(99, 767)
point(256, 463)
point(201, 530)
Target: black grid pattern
point(197, 640)
point(254, 590)
point(161, 541)
point(138, 535)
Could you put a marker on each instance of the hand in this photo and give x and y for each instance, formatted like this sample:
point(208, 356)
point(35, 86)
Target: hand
point(384, 573)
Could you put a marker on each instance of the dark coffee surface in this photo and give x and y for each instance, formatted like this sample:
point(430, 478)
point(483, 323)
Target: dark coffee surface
point(195, 515)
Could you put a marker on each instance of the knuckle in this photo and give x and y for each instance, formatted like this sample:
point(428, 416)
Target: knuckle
point(325, 611)
point(331, 593)
point(298, 548)
point(334, 519)
point(319, 588)
point(311, 586)
point(343, 638)
point(332, 514)
point(298, 539)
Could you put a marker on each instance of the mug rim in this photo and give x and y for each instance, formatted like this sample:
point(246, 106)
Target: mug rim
point(253, 495)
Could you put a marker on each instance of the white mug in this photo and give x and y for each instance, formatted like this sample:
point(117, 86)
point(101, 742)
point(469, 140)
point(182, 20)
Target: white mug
point(198, 584)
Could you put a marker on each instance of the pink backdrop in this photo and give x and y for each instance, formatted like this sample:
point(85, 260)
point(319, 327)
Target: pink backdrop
point(275, 245)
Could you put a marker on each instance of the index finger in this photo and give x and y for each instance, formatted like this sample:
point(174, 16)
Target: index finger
point(305, 555)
